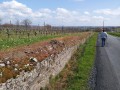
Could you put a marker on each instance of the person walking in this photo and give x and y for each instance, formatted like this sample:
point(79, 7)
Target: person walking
point(103, 36)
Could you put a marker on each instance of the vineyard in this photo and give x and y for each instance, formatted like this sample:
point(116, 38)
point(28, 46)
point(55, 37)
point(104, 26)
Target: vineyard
point(10, 37)
point(25, 50)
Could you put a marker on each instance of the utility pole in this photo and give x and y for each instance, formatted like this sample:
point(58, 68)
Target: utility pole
point(103, 25)
point(44, 26)
point(10, 22)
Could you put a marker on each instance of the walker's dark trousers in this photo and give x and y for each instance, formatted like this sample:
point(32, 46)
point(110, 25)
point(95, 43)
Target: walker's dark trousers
point(103, 42)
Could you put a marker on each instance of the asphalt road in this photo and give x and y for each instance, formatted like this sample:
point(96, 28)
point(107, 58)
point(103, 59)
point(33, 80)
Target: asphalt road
point(108, 64)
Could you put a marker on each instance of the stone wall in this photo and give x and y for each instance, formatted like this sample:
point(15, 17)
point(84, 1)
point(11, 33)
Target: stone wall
point(39, 77)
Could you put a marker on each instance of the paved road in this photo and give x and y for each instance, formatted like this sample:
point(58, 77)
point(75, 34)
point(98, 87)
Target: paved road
point(108, 64)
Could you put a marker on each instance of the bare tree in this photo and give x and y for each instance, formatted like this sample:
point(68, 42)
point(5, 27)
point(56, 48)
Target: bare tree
point(26, 23)
point(0, 25)
point(48, 26)
point(0, 21)
point(17, 24)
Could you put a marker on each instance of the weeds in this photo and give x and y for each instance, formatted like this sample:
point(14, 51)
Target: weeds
point(76, 73)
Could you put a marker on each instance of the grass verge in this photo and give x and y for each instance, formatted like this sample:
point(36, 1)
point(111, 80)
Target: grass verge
point(76, 73)
point(115, 34)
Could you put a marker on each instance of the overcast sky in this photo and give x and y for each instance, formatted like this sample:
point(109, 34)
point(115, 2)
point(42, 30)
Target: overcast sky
point(62, 12)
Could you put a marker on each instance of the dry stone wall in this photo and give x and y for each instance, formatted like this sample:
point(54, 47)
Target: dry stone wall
point(39, 77)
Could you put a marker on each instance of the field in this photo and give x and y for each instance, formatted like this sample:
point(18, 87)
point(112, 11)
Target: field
point(115, 34)
point(20, 52)
point(14, 38)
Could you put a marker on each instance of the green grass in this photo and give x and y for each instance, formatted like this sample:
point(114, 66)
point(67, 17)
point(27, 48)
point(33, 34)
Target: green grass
point(115, 34)
point(16, 41)
point(84, 64)
point(12, 42)
point(75, 75)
